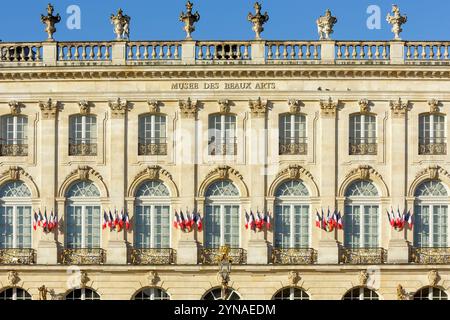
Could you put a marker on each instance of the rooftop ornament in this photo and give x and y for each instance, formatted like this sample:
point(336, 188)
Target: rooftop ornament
point(396, 20)
point(325, 25)
point(50, 21)
point(121, 24)
point(189, 20)
point(258, 20)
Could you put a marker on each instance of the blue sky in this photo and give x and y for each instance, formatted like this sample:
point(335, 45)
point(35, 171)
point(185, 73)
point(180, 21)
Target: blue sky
point(225, 19)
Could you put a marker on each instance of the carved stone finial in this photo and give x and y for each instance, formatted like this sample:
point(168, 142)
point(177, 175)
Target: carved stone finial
point(13, 278)
point(83, 173)
point(399, 107)
point(15, 107)
point(364, 106)
point(396, 20)
point(325, 25)
point(434, 106)
point(118, 107)
point(224, 106)
point(188, 108)
point(294, 278)
point(50, 21)
point(14, 173)
point(433, 278)
point(329, 107)
point(258, 20)
point(363, 278)
point(294, 105)
point(189, 19)
point(153, 278)
point(258, 108)
point(49, 109)
point(84, 107)
point(153, 106)
point(121, 24)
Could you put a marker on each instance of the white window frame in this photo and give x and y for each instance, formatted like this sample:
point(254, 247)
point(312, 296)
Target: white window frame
point(361, 294)
point(222, 202)
point(6, 131)
point(293, 127)
point(226, 135)
point(83, 203)
point(84, 126)
point(430, 293)
point(83, 295)
point(14, 203)
point(293, 202)
point(292, 296)
point(431, 202)
point(14, 294)
point(152, 135)
point(432, 130)
point(363, 121)
point(152, 294)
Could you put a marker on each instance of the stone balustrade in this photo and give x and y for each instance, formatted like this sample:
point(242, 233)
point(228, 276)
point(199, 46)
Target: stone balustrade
point(362, 51)
point(153, 51)
point(279, 51)
point(427, 51)
point(20, 53)
point(84, 51)
point(223, 51)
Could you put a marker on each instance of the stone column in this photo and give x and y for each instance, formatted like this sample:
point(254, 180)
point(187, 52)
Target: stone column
point(328, 251)
point(47, 252)
point(117, 249)
point(187, 160)
point(398, 250)
point(258, 250)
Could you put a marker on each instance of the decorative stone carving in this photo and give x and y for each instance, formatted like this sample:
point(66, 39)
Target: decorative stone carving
point(294, 105)
point(224, 172)
point(363, 172)
point(396, 20)
point(43, 291)
point(329, 107)
point(121, 24)
point(188, 108)
point(153, 278)
point(258, 20)
point(295, 171)
point(15, 107)
point(433, 172)
point(224, 106)
point(153, 172)
point(14, 173)
point(153, 106)
point(364, 106)
point(84, 107)
point(294, 278)
point(83, 173)
point(401, 293)
point(399, 107)
point(189, 19)
point(119, 108)
point(50, 21)
point(433, 278)
point(13, 278)
point(84, 279)
point(49, 109)
point(325, 25)
point(258, 108)
point(434, 106)
point(363, 278)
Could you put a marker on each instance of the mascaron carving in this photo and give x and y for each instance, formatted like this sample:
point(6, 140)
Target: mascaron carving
point(363, 277)
point(329, 107)
point(364, 105)
point(325, 25)
point(50, 21)
point(364, 172)
point(396, 20)
point(258, 108)
point(433, 278)
point(84, 279)
point(13, 278)
point(153, 278)
point(15, 107)
point(294, 105)
point(16, 173)
point(434, 106)
point(121, 24)
point(258, 20)
point(295, 171)
point(224, 172)
point(433, 172)
point(399, 107)
point(119, 108)
point(49, 109)
point(153, 173)
point(84, 107)
point(84, 173)
point(294, 278)
point(224, 106)
point(153, 106)
point(189, 19)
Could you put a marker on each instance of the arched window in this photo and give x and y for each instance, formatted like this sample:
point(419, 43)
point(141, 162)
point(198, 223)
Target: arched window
point(292, 135)
point(432, 137)
point(83, 135)
point(152, 294)
point(222, 215)
point(82, 294)
point(291, 293)
point(431, 215)
point(363, 134)
point(152, 216)
point(15, 215)
point(361, 218)
point(361, 293)
point(14, 136)
point(222, 135)
point(15, 294)
point(216, 294)
point(152, 135)
point(430, 293)
point(292, 215)
point(83, 218)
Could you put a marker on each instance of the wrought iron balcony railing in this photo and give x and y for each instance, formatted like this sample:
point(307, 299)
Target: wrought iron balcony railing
point(294, 256)
point(227, 147)
point(17, 256)
point(152, 256)
point(432, 146)
point(83, 256)
point(363, 146)
point(296, 146)
point(152, 148)
point(78, 148)
point(430, 255)
point(212, 255)
point(13, 150)
point(363, 255)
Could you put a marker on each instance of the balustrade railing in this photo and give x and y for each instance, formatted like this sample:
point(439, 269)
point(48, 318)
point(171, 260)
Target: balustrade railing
point(17, 256)
point(223, 51)
point(213, 255)
point(294, 146)
point(82, 149)
point(362, 51)
point(363, 146)
point(363, 255)
point(17, 149)
point(430, 255)
point(285, 51)
point(149, 51)
point(83, 256)
point(432, 146)
point(152, 256)
point(149, 147)
point(20, 52)
point(427, 51)
point(294, 256)
point(84, 51)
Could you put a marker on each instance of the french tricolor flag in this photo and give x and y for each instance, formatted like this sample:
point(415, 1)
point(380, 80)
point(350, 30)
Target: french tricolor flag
point(105, 220)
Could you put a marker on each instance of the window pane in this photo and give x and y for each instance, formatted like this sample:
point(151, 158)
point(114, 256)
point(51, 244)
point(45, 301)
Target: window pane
point(74, 227)
point(23, 227)
point(6, 227)
point(212, 226)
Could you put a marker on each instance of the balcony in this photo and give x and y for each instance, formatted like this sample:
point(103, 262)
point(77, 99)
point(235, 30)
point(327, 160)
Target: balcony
point(15, 148)
point(227, 147)
point(430, 255)
point(152, 256)
point(17, 256)
point(296, 146)
point(213, 255)
point(78, 148)
point(152, 147)
point(431, 146)
point(359, 146)
point(83, 256)
point(363, 255)
point(294, 256)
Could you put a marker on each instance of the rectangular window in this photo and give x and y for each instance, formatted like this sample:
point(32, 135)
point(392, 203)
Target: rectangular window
point(14, 137)
point(212, 227)
point(152, 229)
point(15, 227)
point(83, 227)
point(152, 135)
point(432, 137)
point(222, 135)
point(83, 136)
point(293, 139)
point(363, 135)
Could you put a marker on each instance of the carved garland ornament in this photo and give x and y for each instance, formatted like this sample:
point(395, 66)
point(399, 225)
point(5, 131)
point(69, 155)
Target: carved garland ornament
point(258, 108)
point(364, 172)
point(84, 173)
point(295, 172)
point(433, 172)
point(15, 173)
